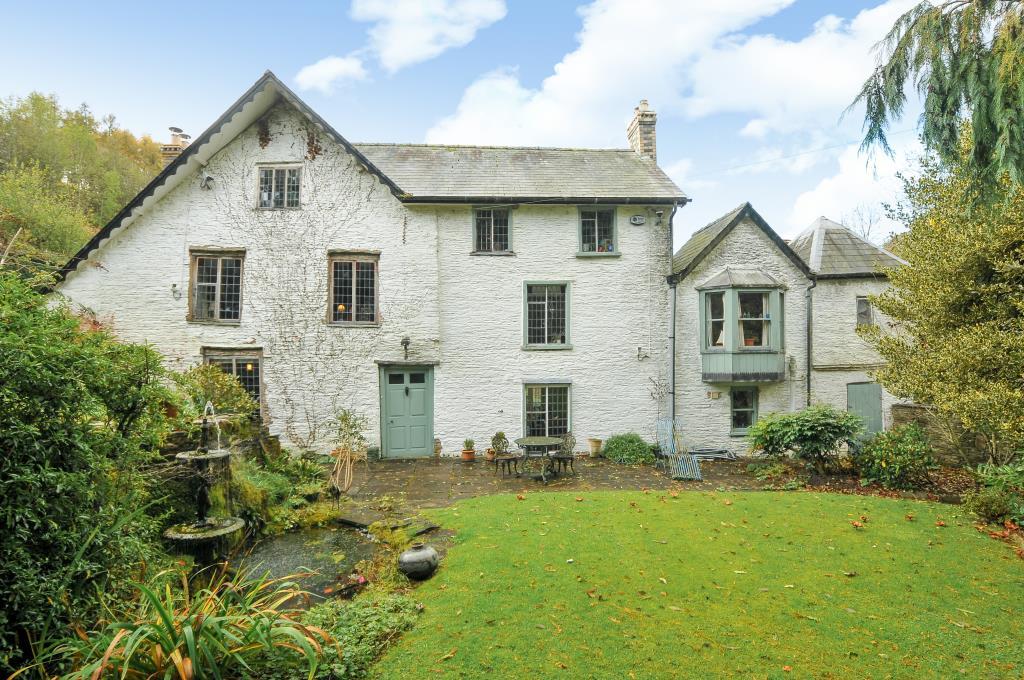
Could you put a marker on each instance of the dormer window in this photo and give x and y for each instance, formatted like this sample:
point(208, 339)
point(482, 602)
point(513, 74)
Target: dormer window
point(279, 187)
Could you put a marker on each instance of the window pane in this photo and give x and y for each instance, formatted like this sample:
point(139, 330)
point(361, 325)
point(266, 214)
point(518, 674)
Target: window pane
point(266, 187)
point(279, 187)
point(536, 412)
point(417, 378)
point(245, 368)
point(341, 308)
point(752, 305)
point(556, 315)
point(605, 231)
point(536, 319)
point(558, 411)
point(864, 312)
point(205, 302)
point(742, 399)
point(484, 240)
point(230, 288)
point(499, 230)
point(716, 305)
point(741, 420)
point(717, 337)
point(588, 231)
point(744, 403)
point(366, 291)
point(396, 378)
point(754, 333)
point(292, 198)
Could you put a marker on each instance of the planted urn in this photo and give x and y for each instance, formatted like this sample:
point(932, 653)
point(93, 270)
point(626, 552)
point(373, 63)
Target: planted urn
point(468, 450)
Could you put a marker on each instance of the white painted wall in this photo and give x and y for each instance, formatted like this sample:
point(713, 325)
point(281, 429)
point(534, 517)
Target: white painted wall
point(706, 420)
point(460, 310)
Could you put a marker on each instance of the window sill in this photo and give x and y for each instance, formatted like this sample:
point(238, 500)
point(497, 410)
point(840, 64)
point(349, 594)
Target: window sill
point(493, 253)
point(545, 348)
point(586, 254)
point(739, 433)
point(258, 208)
point(354, 324)
point(214, 322)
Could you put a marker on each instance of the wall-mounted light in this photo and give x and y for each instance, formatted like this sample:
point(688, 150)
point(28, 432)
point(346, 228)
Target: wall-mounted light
point(405, 345)
point(206, 182)
point(175, 291)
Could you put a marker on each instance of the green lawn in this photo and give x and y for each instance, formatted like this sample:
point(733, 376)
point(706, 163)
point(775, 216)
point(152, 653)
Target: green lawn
point(715, 584)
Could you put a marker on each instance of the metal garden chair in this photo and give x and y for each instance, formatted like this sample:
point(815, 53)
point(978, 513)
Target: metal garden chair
point(672, 455)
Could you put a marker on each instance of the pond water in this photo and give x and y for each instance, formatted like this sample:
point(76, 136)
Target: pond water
point(330, 552)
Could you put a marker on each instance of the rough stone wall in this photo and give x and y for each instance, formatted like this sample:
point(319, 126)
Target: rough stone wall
point(617, 305)
point(706, 420)
point(310, 368)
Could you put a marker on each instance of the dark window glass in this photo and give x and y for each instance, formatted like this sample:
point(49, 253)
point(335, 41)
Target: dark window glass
point(744, 407)
point(597, 231)
point(753, 319)
point(545, 314)
point(217, 288)
point(353, 291)
point(547, 410)
point(396, 378)
point(417, 378)
point(864, 312)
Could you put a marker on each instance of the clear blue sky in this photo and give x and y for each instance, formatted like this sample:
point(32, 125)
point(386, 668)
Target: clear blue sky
point(749, 92)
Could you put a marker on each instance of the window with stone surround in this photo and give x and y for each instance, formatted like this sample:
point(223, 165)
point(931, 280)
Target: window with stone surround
point(279, 186)
point(743, 409)
point(491, 232)
point(215, 284)
point(597, 231)
point(353, 288)
point(865, 314)
point(547, 410)
point(546, 315)
point(244, 364)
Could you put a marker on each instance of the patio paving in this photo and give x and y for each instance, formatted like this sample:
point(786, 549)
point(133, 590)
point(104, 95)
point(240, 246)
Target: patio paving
point(437, 482)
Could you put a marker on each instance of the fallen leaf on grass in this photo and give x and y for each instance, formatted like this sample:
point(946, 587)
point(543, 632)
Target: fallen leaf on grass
point(940, 523)
point(449, 654)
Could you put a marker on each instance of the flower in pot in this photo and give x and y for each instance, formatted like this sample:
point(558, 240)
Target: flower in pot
point(499, 445)
point(468, 452)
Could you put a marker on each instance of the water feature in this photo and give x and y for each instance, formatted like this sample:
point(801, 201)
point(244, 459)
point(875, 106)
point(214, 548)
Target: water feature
point(207, 535)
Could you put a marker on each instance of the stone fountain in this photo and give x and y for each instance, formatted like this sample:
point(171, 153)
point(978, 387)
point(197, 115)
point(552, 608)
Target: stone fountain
point(206, 534)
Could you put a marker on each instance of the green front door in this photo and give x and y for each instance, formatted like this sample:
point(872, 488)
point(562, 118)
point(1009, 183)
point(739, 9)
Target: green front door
point(407, 411)
point(865, 400)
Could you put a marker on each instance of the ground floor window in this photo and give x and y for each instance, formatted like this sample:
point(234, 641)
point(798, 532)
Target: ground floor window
point(547, 410)
point(243, 364)
point(743, 408)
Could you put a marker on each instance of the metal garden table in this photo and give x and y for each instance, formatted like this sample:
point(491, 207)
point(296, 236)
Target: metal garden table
point(540, 447)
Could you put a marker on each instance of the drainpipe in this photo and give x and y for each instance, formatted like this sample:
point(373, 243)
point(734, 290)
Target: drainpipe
point(810, 334)
point(672, 322)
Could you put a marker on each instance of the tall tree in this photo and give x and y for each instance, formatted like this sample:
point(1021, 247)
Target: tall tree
point(958, 309)
point(966, 60)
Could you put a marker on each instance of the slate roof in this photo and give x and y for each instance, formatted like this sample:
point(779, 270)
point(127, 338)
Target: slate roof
point(833, 251)
point(731, 277)
point(429, 173)
point(705, 239)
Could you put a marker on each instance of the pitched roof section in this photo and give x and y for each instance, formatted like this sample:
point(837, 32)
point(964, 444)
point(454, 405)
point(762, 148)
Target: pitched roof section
point(431, 173)
point(833, 251)
point(737, 277)
point(704, 241)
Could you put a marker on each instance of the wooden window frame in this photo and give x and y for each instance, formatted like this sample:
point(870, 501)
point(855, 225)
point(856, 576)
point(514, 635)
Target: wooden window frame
point(547, 405)
point(353, 256)
point(742, 432)
point(475, 226)
point(870, 312)
point(260, 167)
point(708, 319)
point(247, 353)
point(527, 345)
point(765, 319)
point(220, 254)
point(775, 320)
point(616, 250)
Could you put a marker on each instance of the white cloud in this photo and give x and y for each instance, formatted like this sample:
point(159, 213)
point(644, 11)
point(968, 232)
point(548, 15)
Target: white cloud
point(628, 50)
point(857, 183)
point(785, 85)
point(329, 71)
point(407, 32)
point(681, 172)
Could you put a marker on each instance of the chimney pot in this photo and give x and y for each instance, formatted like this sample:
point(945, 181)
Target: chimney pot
point(641, 131)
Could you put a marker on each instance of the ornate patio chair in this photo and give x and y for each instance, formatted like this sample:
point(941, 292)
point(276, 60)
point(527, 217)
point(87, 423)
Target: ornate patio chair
point(672, 455)
point(507, 460)
point(565, 457)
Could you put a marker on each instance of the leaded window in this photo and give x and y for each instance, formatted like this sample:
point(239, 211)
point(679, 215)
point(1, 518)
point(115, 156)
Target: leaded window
point(216, 287)
point(547, 410)
point(865, 317)
point(743, 408)
point(547, 314)
point(491, 230)
point(715, 319)
point(353, 289)
point(244, 365)
point(597, 231)
point(279, 187)
point(754, 319)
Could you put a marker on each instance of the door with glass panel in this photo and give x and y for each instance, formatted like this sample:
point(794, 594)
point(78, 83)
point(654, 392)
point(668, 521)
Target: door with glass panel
point(407, 411)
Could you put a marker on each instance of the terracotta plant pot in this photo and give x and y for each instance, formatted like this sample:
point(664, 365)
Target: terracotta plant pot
point(468, 454)
point(489, 454)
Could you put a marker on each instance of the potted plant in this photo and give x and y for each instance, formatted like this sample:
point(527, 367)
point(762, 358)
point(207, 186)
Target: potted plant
point(499, 445)
point(468, 452)
point(595, 447)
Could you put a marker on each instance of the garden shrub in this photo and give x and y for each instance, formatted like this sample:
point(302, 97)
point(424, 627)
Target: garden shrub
point(628, 449)
point(897, 459)
point(79, 416)
point(362, 630)
point(995, 505)
point(209, 383)
point(814, 435)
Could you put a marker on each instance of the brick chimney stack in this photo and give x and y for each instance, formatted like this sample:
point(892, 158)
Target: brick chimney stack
point(179, 140)
point(641, 131)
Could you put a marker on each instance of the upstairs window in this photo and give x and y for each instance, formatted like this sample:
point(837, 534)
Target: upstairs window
point(547, 410)
point(865, 315)
point(353, 288)
point(715, 310)
point(216, 286)
point(491, 230)
point(279, 187)
point(547, 315)
point(754, 319)
point(597, 231)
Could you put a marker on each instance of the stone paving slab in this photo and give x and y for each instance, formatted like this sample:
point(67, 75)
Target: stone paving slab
point(437, 482)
